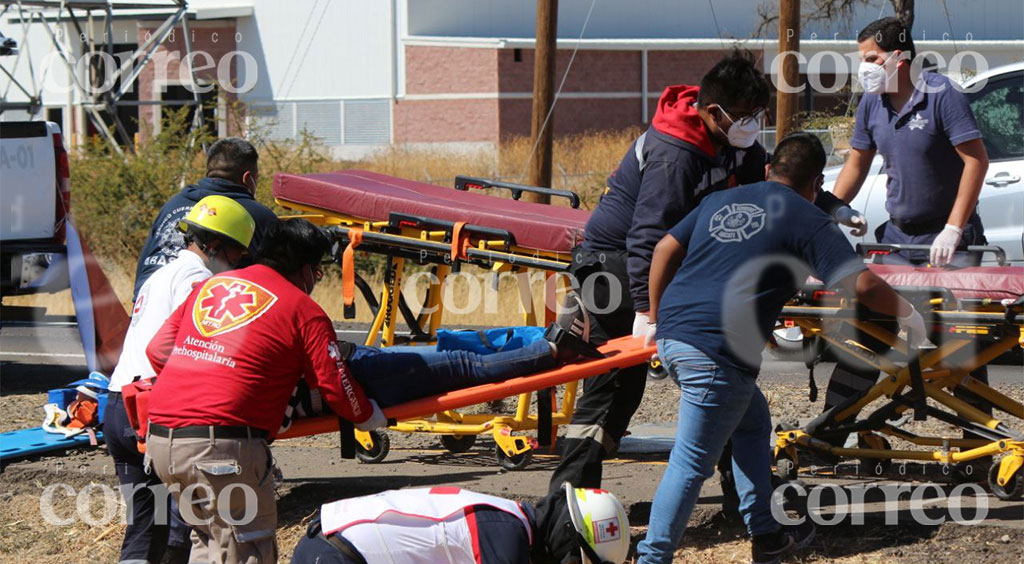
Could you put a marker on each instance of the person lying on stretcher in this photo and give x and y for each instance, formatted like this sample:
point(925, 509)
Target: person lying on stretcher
point(229, 357)
point(233, 352)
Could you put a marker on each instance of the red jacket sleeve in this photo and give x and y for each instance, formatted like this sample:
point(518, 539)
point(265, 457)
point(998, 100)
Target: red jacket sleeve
point(326, 370)
point(159, 349)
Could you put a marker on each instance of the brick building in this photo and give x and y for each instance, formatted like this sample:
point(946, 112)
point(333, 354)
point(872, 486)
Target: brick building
point(360, 74)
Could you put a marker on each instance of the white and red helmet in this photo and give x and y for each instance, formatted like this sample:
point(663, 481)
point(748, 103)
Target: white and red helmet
point(600, 520)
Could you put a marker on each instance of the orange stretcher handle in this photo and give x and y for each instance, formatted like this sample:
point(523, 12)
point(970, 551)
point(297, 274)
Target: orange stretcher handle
point(460, 242)
point(348, 270)
point(622, 352)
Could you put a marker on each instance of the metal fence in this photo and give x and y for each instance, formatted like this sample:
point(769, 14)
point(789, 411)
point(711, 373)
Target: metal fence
point(334, 122)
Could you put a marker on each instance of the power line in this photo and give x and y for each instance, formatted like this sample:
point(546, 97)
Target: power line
point(308, 45)
point(715, 18)
point(302, 34)
point(551, 110)
point(949, 24)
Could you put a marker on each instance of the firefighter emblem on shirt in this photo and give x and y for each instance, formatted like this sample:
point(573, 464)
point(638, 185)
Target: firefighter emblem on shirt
point(225, 304)
point(736, 222)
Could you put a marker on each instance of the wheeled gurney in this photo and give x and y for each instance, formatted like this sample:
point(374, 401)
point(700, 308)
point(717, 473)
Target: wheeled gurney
point(413, 223)
point(975, 315)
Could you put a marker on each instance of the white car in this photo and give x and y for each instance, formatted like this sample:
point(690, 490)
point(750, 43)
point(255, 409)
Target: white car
point(999, 110)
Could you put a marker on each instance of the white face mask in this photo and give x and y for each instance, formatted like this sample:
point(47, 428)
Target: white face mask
point(743, 133)
point(873, 78)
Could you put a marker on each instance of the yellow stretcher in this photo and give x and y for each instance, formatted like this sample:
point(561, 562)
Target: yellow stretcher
point(975, 315)
point(412, 223)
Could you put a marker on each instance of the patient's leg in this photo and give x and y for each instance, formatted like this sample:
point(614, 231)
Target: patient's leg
point(400, 374)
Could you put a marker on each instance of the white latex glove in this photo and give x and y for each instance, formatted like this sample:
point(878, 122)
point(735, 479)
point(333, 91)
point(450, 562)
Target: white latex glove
point(644, 329)
point(945, 244)
point(376, 420)
point(913, 327)
point(850, 217)
point(640, 324)
point(652, 328)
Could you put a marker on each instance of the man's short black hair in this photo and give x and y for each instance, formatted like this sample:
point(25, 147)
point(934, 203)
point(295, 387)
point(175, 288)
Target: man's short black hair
point(734, 80)
point(800, 157)
point(230, 157)
point(288, 245)
point(203, 237)
point(891, 34)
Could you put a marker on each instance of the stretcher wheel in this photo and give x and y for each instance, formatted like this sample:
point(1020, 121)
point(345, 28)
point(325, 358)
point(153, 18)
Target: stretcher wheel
point(785, 467)
point(515, 462)
point(378, 452)
point(458, 443)
point(1013, 490)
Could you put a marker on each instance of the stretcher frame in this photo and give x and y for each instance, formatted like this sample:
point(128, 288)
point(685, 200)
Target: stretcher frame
point(447, 246)
point(999, 325)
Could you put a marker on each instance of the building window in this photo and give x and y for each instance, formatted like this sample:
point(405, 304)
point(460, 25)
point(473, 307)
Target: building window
point(517, 55)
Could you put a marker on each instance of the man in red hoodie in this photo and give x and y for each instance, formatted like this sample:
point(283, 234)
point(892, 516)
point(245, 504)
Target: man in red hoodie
point(702, 139)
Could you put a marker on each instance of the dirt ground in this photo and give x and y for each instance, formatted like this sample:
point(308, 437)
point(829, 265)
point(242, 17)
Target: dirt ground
point(711, 538)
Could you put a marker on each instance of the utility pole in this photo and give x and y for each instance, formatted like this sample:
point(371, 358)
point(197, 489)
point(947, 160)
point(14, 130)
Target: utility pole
point(542, 136)
point(788, 103)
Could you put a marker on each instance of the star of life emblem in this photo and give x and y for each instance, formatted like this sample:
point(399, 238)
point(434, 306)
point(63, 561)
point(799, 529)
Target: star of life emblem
point(734, 223)
point(917, 122)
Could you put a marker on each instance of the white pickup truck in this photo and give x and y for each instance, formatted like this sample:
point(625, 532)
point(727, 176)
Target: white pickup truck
point(35, 199)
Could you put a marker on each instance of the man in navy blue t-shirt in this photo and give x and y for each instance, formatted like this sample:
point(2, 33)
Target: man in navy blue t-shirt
point(743, 252)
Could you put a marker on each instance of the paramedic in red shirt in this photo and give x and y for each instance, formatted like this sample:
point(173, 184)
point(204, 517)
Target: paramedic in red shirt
point(229, 358)
point(227, 361)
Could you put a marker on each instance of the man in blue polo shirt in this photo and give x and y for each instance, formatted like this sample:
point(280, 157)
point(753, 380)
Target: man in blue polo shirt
point(934, 156)
point(743, 253)
point(935, 161)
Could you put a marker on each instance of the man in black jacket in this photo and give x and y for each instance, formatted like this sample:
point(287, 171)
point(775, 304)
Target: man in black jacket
point(232, 170)
point(701, 140)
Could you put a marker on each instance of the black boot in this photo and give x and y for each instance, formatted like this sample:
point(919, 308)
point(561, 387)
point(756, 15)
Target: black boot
point(568, 347)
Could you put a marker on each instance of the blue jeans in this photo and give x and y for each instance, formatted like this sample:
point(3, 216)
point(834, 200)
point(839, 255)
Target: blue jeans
point(396, 375)
point(717, 403)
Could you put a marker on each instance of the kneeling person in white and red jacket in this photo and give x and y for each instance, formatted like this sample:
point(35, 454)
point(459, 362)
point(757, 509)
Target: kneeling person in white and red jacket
point(447, 524)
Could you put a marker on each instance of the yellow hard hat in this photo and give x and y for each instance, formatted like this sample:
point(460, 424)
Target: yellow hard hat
point(221, 215)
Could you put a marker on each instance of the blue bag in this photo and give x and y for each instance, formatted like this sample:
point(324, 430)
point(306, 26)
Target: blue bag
point(488, 341)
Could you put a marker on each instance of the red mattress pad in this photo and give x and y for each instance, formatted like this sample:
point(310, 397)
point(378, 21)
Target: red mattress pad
point(373, 196)
point(994, 282)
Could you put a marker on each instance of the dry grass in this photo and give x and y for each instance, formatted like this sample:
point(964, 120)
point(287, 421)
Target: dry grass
point(582, 163)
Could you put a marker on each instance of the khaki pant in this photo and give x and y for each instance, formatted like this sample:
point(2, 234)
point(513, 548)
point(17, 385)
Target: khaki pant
point(225, 490)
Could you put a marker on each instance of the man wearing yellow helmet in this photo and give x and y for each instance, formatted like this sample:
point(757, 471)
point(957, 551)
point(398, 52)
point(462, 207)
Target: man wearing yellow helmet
point(449, 524)
point(217, 231)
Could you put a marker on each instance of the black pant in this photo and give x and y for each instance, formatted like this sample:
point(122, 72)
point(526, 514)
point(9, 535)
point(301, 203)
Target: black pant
point(609, 400)
point(144, 538)
point(316, 549)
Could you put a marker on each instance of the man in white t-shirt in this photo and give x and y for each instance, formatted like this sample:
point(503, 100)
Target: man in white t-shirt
point(218, 231)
